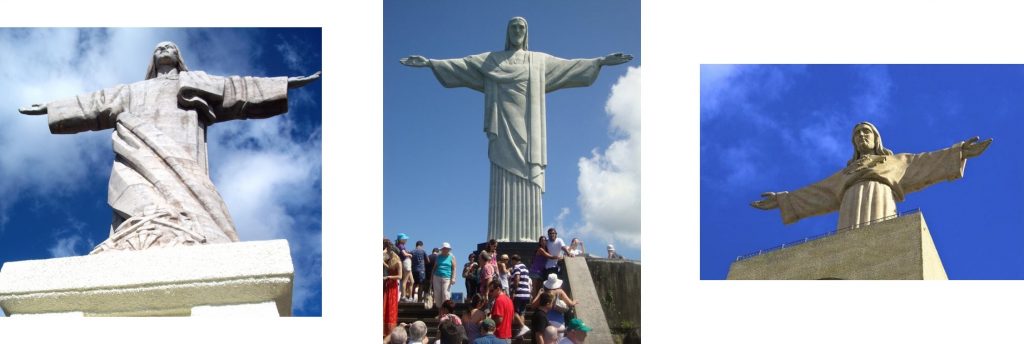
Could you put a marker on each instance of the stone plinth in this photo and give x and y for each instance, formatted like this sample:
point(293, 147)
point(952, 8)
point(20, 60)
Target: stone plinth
point(589, 307)
point(897, 249)
point(235, 279)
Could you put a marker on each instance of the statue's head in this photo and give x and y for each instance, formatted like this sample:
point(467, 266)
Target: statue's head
point(165, 54)
point(516, 36)
point(866, 140)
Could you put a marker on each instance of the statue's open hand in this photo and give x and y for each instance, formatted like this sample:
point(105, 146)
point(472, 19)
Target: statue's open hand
point(769, 201)
point(34, 109)
point(415, 61)
point(616, 58)
point(299, 81)
point(973, 147)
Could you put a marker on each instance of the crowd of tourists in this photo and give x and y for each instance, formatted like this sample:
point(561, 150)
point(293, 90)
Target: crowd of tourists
point(500, 288)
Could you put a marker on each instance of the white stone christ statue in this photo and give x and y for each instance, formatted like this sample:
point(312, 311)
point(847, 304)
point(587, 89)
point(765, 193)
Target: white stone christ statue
point(514, 83)
point(873, 180)
point(160, 188)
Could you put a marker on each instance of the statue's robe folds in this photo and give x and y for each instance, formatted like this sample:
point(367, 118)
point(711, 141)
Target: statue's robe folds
point(160, 164)
point(514, 84)
point(868, 188)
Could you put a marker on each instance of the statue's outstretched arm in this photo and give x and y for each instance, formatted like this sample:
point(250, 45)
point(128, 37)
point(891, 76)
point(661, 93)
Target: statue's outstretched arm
point(415, 61)
point(769, 201)
point(299, 81)
point(34, 109)
point(615, 58)
point(973, 148)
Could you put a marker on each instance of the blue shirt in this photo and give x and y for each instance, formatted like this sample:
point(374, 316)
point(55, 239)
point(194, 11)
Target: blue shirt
point(419, 258)
point(489, 339)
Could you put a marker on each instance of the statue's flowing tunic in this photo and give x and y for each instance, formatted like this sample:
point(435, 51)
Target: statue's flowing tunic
point(160, 188)
point(514, 84)
point(869, 187)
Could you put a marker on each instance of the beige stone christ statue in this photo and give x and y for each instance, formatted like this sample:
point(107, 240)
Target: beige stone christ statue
point(514, 83)
point(873, 180)
point(160, 187)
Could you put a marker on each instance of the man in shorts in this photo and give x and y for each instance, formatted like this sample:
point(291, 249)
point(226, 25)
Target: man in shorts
point(419, 270)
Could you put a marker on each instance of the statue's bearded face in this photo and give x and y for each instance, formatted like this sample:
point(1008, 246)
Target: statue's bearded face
point(517, 32)
point(864, 139)
point(166, 53)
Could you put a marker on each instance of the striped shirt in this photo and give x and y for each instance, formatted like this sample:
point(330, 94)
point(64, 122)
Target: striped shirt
point(523, 289)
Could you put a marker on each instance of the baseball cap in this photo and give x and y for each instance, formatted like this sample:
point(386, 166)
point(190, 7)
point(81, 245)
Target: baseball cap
point(577, 324)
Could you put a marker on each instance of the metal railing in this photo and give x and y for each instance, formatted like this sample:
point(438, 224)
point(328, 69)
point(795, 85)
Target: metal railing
point(827, 234)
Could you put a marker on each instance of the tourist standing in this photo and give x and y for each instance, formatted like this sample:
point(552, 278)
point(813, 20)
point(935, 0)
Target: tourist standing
point(419, 270)
point(539, 319)
point(471, 275)
point(520, 285)
point(487, 272)
point(406, 285)
point(612, 254)
point(540, 260)
point(393, 266)
point(473, 316)
point(444, 275)
point(502, 312)
point(561, 301)
point(556, 246)
point(576, 248)
point(503, 273)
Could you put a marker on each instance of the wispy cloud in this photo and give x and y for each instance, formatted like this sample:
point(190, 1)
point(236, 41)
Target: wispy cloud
point(609, 182)
point(875, 91)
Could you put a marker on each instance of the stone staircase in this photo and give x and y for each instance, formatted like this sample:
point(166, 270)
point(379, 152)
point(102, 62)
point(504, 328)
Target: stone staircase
point(411, 312)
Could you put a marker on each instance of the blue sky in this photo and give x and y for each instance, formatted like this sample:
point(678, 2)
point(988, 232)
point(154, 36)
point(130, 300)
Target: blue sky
point(781, 127)
point(435, 153)
point(53, 194)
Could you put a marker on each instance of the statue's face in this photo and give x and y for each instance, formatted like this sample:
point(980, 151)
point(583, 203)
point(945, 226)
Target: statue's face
point(864, 139)
point(517, 32)
point(166, 54)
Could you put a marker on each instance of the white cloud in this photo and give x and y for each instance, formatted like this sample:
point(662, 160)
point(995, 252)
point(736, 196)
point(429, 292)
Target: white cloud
point(873, 102)
point(269, 179)
point(69, 246)
point(609, 183)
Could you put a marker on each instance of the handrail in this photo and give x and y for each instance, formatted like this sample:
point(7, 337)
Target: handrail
point(826, 234)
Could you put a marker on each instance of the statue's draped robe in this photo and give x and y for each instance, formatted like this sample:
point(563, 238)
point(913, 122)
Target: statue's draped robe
point(159, 141)
point(868, 188)
point(514, 84)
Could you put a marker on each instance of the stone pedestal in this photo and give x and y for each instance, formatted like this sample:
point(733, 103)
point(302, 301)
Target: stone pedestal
point(235, 279)
point(897, 249)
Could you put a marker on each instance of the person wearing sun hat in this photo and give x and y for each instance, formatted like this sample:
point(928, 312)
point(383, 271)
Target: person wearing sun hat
point(575, 332)
point(561, 301)
point(444, 275)
point(612, 254)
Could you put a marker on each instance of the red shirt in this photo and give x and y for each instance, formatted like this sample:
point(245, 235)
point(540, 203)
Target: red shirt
point(503, 308)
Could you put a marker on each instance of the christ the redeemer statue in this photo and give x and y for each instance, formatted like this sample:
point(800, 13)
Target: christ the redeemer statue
point(873, 180)
point(514, 82)
point(160, 187)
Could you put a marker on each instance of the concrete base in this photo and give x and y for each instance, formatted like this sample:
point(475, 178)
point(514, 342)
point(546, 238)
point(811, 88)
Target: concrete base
point(244, 278)
point(897, 249)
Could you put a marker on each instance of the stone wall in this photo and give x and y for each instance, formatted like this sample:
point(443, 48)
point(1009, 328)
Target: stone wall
point(618, 286)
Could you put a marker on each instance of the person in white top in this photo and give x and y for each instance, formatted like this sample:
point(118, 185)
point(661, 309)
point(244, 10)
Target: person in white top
point(556, 246)
point(576, 248)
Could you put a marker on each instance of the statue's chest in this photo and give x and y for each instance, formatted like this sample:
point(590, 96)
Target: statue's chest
point(155, 96)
